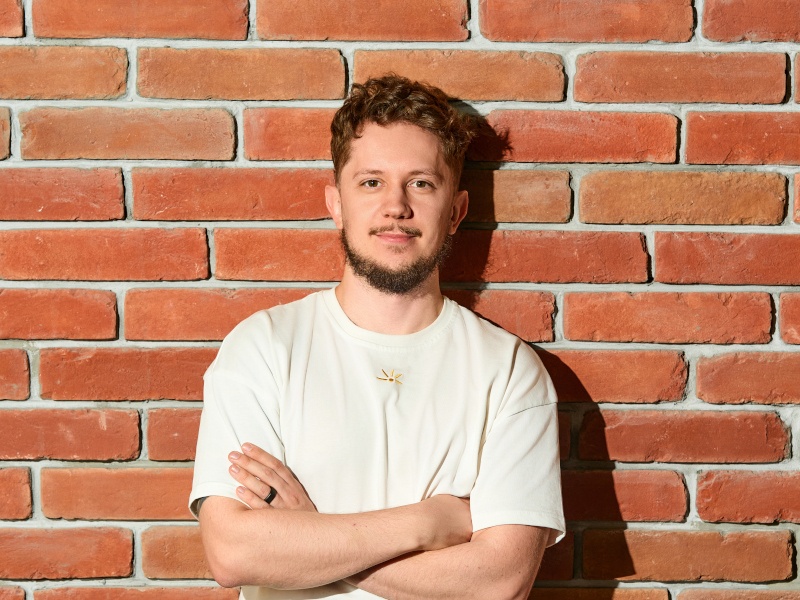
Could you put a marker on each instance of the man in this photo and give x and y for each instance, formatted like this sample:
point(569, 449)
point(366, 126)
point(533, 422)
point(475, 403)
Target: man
point(393, 444)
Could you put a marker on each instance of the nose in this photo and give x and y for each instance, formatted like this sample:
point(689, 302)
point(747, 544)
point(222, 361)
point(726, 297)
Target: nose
point(396, 203)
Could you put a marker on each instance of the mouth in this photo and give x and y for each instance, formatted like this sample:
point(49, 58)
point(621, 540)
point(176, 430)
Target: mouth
point(396, 234)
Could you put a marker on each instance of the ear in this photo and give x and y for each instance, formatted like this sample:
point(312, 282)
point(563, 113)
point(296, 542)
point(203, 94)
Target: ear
point(460, 204)
point(333, 200)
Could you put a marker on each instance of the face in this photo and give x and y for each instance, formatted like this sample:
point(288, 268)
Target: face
point(396, 205)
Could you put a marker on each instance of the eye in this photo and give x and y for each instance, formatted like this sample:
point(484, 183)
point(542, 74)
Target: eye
point(421, 184)
point(371, 183)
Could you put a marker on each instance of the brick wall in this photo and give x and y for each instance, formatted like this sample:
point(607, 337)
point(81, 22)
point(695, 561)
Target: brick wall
point(161, 174)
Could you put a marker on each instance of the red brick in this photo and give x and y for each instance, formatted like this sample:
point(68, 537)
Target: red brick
point(563, 136)
point(75, 434)
point(623, 496)
point(528, 315)
point(683, 436)
point(740, 377)
point(790, 318)
point(668, 317)
point(288, 133)
point(573, 593)
point(14, 374)
point(683, 197)
point(230, 194)
point(624, 376)
point(472, 75)
point(5, 133)
point(116, 494)
point(15, 501)
point(746, 556)
point(205, 19)
point(423, 20)
point(748, 497)
point(11, 21)
point(173, 552)
point(727, 258)
point(127, 133)
point(172, 433)
point(62, 72)
point(743, 138)
point(517, 196)
point(564, 435)
point(586, 21)
point(66, 553)
point(797, 179)
point(752, 20)
point(148, 593)
point(748, 594)
point(558, 560)
point(12, 593)
point(734, 77)
point(241, 74)
point(124, 373)
point(104, 254)
point(61, 194)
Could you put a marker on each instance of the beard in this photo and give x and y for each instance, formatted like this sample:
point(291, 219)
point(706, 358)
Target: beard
point(401, 280)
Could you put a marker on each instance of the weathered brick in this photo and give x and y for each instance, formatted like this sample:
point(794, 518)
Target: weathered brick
point(623, 495)
point(683, 197)
point(517, 196)
point(287, 133)
point(528, 315)
point(740, 377)
point(727, 258)
point(148, 593)
point(230, 194)
point(751, 20)
point(733, 77)
point(14, 374)
point(75, 434)
point(205, 19)
point(423, 20)
point(104, 254)
point(53, 194)
point(116, 494)
point(5, 133)
point(241, 74)
point(625, 376)
point(797, 179)
point(67, 553)
point(739, 594)
point(683, 436)
point(123, 373)
point(558, 560)
point(15, 501)
point(12, 593)
point(127, 133)
point(790, 318)
point(173, 552)
point(62, 72)
point(573, 593)
point(746, 556)
point(668, 317)
point(172, 433)
point(748, 497)
point(743, 138)
point(11, 21)
point(564, 136)
point(472, 75)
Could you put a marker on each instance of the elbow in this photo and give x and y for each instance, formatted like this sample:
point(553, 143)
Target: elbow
point(224, 567)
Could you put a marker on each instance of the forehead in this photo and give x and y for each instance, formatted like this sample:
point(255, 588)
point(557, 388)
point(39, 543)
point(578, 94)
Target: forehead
point(397, 146)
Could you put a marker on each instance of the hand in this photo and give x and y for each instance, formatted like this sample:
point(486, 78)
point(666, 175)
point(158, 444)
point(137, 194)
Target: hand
point(451, 521)
point(257, 470)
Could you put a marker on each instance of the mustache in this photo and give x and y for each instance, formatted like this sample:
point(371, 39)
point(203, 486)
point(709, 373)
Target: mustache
point(402, 228)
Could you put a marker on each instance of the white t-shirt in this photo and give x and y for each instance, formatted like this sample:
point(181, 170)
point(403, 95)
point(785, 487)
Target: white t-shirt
point(368, 421)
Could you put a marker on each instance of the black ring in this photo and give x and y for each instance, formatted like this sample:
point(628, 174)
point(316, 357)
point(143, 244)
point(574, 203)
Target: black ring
point(271, 496)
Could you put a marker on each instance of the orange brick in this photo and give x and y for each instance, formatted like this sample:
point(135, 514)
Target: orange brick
point(746, 556)
point(287, 133)
point(116, 494)
point(173, 552)
point(104, 254)
point(472, 75)
point(12, 593)
point(230, 194)
point(14, 374)
point(668, 317)
point(740, 377)
point(5, 133)
point(586, 20)
point(67, 553)
point(573, 593)
point(683, 197)
point(517, 196)
point(205, 19)
point(61, 194)
point(751, 20)
point(123, 373)
point(528, 315)
point(743, 138)
point(741, 594)
point(616, 375)
point(75, 434)
point(127, 133)
point(423, 20)
point(558, 560)
point(148, 593)
point(733, 77)
point(563, 136)
point(790, 318)
point(797, 179)
point(241, 74)
point(727, 258)
point(748, 497)
point(683, 436)
point(172, 433)
point(15, 501)
point(62, 72)
point(11, 22)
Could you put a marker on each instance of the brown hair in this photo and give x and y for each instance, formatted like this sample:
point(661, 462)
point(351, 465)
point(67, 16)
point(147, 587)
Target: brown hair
point(394, 99)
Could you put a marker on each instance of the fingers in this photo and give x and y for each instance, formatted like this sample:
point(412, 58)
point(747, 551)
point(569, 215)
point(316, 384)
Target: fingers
point(257, 479)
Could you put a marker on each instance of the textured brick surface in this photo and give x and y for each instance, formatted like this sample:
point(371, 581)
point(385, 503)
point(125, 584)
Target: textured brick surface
point(740, 377)
point(528, 315)
point(735, 20)
point(172, 433)
point(5, 133)
point(517, 196)
point(557, 563)
point(173, 552)
point(148, 593)
point(11, 18)
point(287, 133)
point(743, 138)
point(748, 497)
point(600, 594)
point(746, 594)
point(15, 501)
point(790, 318)
point(14, 374)
point(12, 593)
